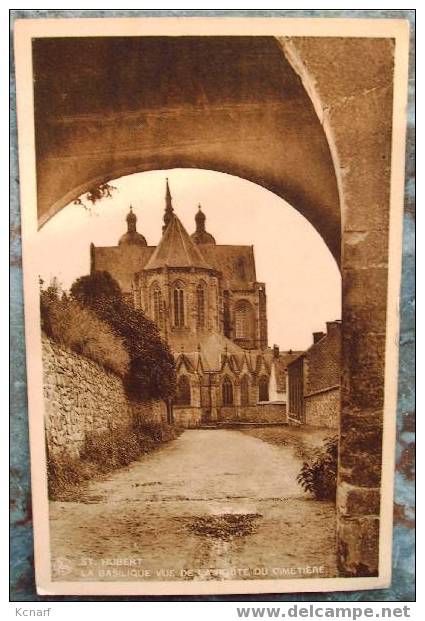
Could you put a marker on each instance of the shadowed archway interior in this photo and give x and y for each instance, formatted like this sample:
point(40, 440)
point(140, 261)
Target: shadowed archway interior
point(231, 104)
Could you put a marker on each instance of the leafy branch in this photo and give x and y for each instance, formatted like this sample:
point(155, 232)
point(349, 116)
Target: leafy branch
point(94, 195)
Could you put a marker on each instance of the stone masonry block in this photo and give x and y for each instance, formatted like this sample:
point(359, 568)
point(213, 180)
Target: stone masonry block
point(358, 546)
point(354, 501)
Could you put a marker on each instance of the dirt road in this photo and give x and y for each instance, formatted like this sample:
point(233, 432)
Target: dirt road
point(211, 504)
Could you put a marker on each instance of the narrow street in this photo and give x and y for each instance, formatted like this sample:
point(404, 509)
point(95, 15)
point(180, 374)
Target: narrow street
point(213, 504)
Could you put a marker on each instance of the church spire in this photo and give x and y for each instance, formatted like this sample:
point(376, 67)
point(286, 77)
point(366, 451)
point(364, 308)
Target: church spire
point(168, 207)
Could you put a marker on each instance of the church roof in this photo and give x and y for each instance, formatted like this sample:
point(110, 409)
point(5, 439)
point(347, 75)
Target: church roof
point(236, 263)
point(176, 249)
point(122, 262)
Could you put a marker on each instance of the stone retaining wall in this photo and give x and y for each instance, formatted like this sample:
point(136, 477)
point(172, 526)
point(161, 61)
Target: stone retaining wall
point(191, 417)
point(260, 413)
point(322, 409)
point(187, 417)
point(82, 398)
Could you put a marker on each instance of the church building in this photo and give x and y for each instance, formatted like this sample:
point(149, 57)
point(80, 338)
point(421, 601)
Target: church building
point(212, 311)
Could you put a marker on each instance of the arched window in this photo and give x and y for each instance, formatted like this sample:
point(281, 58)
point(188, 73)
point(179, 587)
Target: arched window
point(183, 391)
point(200, 305)
point(178, 303)
point(156, 301)
point(263, 388)
point(243, 320)
point(245, 390)
point(227, 391)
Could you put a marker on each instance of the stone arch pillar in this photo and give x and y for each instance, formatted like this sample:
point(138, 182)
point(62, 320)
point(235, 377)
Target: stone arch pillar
point(354, 104)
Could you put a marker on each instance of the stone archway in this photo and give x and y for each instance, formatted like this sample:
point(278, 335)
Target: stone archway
point(282, 114)
point(229, 104)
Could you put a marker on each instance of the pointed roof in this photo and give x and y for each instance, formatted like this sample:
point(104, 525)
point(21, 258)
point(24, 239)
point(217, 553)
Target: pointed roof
point(176, 249)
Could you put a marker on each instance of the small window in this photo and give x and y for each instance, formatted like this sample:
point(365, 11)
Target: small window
point(227, 392)
point(263, 388)
point(183, 391)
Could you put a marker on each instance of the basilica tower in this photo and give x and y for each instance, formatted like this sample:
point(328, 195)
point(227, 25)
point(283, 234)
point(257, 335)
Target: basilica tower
point(132, 236)
point(201, 236)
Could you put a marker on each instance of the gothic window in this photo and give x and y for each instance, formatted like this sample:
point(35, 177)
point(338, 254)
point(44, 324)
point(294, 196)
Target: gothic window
point(183, 391)
point(178, 302)
point(200, 305)
point(263, 388)
point(245, 390)
point(243, 320)
point(227, 391)
point(156, 301)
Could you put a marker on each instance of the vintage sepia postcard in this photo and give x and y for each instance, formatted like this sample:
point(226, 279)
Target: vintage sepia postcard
point(211, 226)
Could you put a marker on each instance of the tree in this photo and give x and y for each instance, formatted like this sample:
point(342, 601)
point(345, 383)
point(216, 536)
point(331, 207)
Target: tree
point(97, 290)
point(152, 368)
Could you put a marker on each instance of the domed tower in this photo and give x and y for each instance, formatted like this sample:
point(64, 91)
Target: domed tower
point(200, 236)
point(132, 237)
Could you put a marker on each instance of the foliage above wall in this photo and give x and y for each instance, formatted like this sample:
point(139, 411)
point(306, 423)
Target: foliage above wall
point(152, 369)
point(70, 324)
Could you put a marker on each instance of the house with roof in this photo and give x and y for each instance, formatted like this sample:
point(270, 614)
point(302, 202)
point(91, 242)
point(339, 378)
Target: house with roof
point(314, 381)
point(212, 312)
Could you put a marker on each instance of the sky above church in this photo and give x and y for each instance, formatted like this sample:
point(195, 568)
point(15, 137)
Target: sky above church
point(303, 283)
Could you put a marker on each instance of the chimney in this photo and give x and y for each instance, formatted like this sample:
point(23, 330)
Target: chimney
point(331, 326)
point(275, 351)
point(317, 336)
